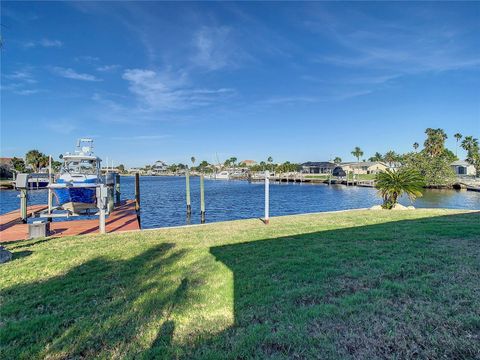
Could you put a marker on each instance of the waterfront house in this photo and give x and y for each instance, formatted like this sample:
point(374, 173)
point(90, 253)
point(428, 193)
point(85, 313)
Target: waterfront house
point(248, 163)
point(160, 167)
point(321, 167)
point(364, 167)
point(463, 168)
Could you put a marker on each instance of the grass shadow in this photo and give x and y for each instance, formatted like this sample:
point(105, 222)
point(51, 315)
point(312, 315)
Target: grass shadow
point(95, 308)
point(403, 289)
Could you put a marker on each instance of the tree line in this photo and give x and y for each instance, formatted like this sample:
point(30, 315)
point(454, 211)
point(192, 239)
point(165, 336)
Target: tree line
point(34, 161)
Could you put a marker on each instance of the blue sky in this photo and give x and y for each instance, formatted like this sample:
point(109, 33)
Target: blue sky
point(295, 81)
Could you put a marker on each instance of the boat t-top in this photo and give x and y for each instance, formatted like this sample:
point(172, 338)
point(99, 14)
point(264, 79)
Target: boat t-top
point(75, 189)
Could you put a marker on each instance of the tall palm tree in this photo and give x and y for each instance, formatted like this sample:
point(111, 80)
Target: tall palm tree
point(470, 145)
point(357, 152)
point(376, 157)
point(435, 142)
point(458, 137)
point(270, 162)
point(393, 184)
point(390, 157)
point(415, 146)
point(192, 159)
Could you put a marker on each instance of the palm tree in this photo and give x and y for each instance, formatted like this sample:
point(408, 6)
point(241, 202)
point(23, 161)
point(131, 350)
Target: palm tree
point(470, 145)
point(390, 157)
point(458, 137)
point(415, 146)
point(337, 160)
point(435, 143)
point(357, 152)
point(270, 162)
point(192, 159)
point(376, 157)
point(36, 160)
point(393, 184)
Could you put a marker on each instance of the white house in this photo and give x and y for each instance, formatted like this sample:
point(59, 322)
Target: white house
point(159, 167)
point(463, 168)
point(365, 167)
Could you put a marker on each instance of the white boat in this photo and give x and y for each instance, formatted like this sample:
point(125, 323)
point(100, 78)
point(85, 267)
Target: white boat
point(75, 189)
point(222, 175)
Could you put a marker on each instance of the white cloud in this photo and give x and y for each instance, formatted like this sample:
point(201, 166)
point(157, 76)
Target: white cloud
point(50, 43)
point(165, 91)
point(214, 47)
point(406, 46)
point(87, 58)
point(27, 91)
point(106, 68)
point(23, 75)
point(46, 43)
point(72, 74)
point(21, 81)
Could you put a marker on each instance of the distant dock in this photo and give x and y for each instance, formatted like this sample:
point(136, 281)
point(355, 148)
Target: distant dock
point(302, 178)
point(123, 218)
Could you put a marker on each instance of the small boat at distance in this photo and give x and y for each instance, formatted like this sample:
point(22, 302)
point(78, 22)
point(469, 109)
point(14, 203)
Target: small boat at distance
point(75, 189)
point(222, 175)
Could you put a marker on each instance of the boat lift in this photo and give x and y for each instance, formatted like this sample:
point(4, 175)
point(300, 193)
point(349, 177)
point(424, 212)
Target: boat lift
point(107, 194)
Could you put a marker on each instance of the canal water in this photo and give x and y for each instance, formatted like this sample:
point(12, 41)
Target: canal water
point(163, 199)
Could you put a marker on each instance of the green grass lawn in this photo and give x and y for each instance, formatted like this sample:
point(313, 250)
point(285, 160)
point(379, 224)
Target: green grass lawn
point(360, 284)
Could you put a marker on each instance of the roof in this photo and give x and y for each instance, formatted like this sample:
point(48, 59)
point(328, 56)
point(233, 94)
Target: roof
point(6, 160)
point(80, 157)
point(322, 164)
point(248, 162)
point(363, 163)
point(461, 163)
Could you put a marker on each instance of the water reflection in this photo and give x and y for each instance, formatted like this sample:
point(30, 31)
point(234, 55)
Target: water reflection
point(163, 199)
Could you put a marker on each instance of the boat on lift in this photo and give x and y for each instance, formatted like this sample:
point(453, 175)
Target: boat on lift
point(80, 175)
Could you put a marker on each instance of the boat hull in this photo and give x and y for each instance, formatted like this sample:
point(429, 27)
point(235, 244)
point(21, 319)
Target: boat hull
point(76, 199)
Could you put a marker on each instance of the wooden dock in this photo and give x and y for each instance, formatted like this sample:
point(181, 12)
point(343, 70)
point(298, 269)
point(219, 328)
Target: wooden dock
point(123, 218)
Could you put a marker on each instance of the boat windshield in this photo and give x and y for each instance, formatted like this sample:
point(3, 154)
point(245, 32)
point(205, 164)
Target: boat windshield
point(87, 167)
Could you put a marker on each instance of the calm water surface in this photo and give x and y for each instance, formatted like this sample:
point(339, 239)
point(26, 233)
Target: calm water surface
point(163, 199)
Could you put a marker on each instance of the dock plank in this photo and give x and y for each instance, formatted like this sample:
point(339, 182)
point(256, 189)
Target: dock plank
point(123, 218)
point(13, 217)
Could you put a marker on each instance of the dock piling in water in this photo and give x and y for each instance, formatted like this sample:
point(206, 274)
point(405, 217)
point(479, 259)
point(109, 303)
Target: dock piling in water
point(267, 197)
point(23, 205)
point(117, 189)
point(137, 191)
point(202, 200)
point(187, 184)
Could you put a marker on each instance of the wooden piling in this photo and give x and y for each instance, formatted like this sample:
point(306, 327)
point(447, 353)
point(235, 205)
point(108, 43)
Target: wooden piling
point(267, 198)
point(202, 200)
point(23, 205)
point(187, 184)
point(137, 191)
point(117, 189)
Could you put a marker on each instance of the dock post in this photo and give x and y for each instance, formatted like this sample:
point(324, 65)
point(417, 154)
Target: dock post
point(110, 199)
point(137, 191)
point(117, 189)
point(102, 194)
point(202, 200)
point(50, 192)
point(267, 197)
point(23, 205)
point(187, 183)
